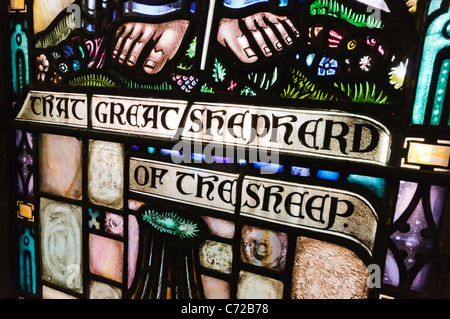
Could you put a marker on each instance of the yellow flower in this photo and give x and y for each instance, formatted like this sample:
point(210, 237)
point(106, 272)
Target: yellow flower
point(412, 5)
point(397, 75)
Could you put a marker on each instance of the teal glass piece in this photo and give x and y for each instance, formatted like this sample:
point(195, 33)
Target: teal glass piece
point(437, 38)
point(434, 6)
point(19, 58)
point(27, 260)
point(440, 93)
point(375, 184)
point(93, 221)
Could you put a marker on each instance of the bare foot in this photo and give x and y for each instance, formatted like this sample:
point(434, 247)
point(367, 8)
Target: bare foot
point(263, 27)
point(132, 38)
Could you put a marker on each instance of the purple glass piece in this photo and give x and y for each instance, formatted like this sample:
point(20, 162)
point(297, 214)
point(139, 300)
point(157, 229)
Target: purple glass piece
point(19, 184)
point(18, 138)
point(412, 241)
point(24, 145)
point(29, 139)
point(391, 272)
point(419, 283)
point(437, 199)
point(406, 192)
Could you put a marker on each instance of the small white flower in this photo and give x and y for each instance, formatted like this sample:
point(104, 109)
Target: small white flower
point(365, 63)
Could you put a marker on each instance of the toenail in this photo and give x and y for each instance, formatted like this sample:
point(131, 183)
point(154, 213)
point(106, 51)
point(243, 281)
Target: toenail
point(250, 53)
point(266, 50)
point(132, 59)
point(150, 64)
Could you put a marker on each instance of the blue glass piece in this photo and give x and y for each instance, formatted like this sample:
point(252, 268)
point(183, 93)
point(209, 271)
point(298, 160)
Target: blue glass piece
point(300, 171)
point(172, 153)
point(239, 4)
point(151, 10)
point(310, 59)
point(330, 175)
point(278, 168)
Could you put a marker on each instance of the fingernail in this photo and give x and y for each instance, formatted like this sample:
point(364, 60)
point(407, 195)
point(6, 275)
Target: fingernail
point(288, 40)
point(278, 45)
point(114, 54)
point(122, 57)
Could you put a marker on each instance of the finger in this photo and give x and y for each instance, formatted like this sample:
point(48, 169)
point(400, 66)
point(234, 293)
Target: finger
point(127, 29)
point(149, 30)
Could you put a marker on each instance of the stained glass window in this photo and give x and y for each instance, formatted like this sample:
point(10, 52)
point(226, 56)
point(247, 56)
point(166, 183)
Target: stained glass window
point(235, 149)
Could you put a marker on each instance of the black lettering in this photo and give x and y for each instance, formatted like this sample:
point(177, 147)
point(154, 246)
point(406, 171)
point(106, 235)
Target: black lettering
point(357, 137)
point(203, 181)
point(268, 194)
point(253, 195)
point(319, 208)
point(288, 128)
point(118, 113)
point(104, 116)
point(138, 175)
point(226, 187)
point(33, 102)
point(180, 178)
point(334, 210)
point(232, 122)
point(302, 133)
point(164, 111)
point(155, 175)
point(150, 117)
point(289, 201)
point(339, 137)
point(196, 120)
point(255, 126)
point(62, 109)
point(47, 100)
point(210, 116)
point(132, 113)
point(74, 107)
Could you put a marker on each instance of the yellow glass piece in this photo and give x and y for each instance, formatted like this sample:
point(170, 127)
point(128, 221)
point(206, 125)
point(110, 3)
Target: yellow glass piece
point(25, 210)
point(17, 4)
point(428, 154)
point(44, 11)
